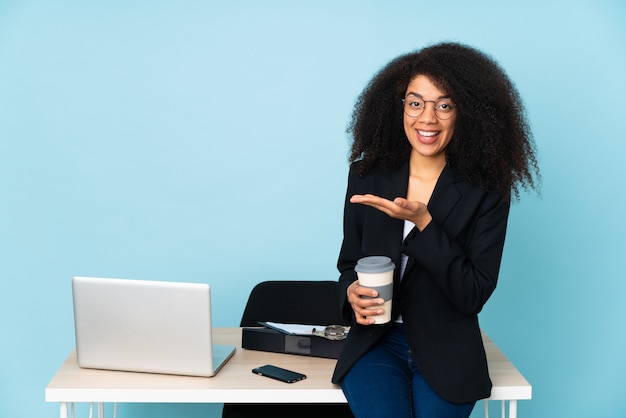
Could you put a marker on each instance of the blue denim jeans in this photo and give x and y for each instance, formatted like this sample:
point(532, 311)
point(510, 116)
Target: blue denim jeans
point(386, 382)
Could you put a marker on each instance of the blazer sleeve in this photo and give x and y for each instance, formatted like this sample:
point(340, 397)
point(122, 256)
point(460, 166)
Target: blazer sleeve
point(464, 269)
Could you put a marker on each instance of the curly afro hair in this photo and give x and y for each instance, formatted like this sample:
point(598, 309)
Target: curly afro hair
point(492, 145)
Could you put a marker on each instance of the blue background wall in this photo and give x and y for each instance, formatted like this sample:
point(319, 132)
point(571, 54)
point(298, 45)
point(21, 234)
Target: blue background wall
point(205, 141)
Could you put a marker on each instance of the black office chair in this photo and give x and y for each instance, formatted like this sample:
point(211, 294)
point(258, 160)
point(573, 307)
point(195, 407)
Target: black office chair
point(295, 302)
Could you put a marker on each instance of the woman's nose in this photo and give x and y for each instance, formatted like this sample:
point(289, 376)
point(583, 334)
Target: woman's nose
point(428, 115)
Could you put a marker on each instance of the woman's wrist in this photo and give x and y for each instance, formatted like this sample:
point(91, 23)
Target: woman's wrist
point(423, 221)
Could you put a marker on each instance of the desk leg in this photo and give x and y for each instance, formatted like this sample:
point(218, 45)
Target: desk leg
point(63, 409)
point(513, 408)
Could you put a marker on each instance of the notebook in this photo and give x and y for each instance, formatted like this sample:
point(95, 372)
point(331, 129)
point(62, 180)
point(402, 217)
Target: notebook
point(146, 326)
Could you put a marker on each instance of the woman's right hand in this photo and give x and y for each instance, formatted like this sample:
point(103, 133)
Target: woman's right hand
point(360, 305)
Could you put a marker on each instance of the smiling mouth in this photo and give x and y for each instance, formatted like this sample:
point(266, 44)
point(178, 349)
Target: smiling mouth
point(427, 133)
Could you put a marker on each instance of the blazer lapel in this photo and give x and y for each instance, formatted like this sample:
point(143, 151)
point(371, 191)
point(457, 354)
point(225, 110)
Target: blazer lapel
point(397, 187)
point(444, 198)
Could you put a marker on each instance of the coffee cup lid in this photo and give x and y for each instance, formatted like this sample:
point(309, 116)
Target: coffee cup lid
point(374, 264)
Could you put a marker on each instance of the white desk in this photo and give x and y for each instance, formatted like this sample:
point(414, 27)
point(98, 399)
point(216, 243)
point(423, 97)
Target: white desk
point(236, 384)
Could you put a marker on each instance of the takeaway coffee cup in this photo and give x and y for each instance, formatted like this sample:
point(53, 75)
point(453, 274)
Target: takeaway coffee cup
point(376, 272)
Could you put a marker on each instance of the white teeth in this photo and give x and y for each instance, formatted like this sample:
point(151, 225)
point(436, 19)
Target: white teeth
point(424, 133)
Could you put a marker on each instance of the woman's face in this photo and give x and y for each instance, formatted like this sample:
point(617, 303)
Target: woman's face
point(428, 133)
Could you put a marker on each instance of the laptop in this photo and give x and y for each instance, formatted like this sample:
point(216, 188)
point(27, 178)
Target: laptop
point(146, 326)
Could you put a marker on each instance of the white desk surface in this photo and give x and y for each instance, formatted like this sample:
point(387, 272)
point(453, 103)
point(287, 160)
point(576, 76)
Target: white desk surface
point(235, 383)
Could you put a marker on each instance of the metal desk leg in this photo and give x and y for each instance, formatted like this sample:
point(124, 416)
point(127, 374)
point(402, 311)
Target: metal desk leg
point(513, 408)
point(63, 409)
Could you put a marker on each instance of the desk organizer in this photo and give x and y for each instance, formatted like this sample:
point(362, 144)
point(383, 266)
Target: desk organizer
point(266, 339)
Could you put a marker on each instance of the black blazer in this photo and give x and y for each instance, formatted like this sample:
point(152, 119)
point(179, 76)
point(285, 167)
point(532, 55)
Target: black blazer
point(451, 272)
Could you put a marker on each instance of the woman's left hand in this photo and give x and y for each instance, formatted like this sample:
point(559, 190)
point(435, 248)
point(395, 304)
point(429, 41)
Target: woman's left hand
point(399, 208)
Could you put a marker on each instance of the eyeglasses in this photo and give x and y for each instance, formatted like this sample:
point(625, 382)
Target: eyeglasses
point(414, 106)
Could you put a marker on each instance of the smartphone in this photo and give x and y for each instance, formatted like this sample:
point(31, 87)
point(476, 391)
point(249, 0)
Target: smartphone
point(279, 373)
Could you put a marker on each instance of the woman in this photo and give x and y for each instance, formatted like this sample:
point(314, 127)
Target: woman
point(440, 147)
